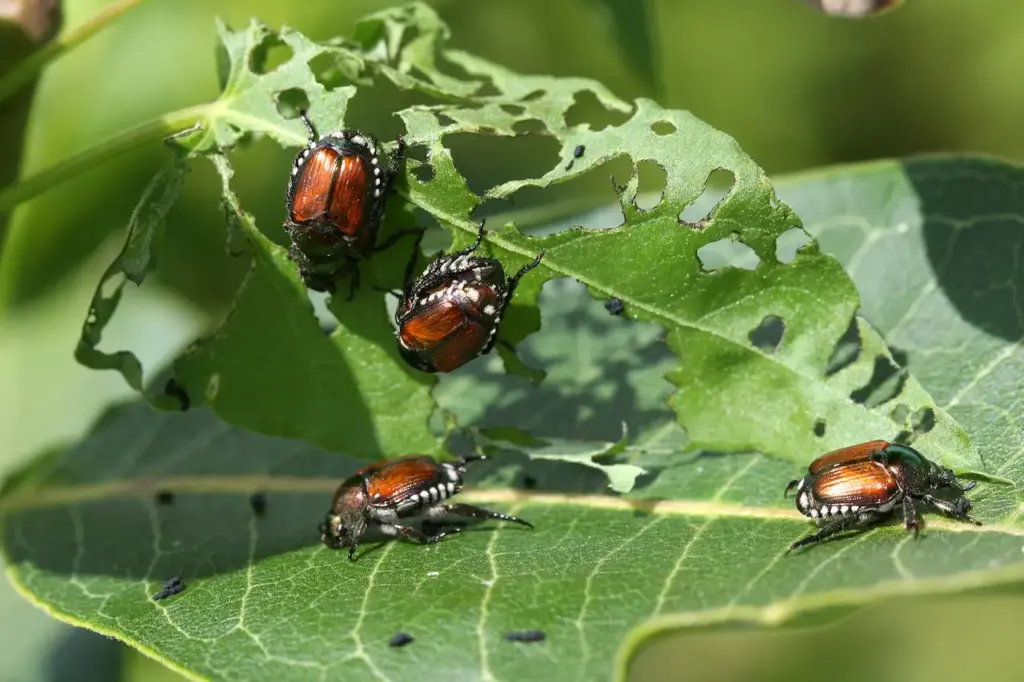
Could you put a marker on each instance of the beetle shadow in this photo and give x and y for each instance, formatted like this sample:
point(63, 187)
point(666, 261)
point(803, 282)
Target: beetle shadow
point(973, 238)
point(603, 372)
point(895, 520)
point(130, 527)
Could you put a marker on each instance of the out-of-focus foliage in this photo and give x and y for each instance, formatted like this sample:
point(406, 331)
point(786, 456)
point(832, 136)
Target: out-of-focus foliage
point(796, 88)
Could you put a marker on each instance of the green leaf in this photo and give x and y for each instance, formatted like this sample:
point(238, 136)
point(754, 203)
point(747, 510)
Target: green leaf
point(932, 244)
point(350, 392)
point(701, 544)
point(621, 477)
point(270, 367)
point(733, 395)
point(654, 256)
point(249, 101)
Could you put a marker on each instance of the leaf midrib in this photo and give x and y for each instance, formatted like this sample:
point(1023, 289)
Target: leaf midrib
point(223, 109)
point(66, 495)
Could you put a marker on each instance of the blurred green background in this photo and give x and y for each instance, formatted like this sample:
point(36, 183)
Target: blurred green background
point(796, 88)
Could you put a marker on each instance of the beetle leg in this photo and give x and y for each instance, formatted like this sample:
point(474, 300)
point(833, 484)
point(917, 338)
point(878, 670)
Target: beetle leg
point(839, 525)
point(958, 508)
point(513, 281)
point(309, 126)
point(481, 513)
point(396, 235)
point(414, 535)
point(396, 160)
point(826, 532)
point(910, 515)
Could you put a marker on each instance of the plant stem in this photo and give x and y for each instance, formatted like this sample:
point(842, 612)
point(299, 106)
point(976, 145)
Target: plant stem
point(153, 130)
point(25, 71)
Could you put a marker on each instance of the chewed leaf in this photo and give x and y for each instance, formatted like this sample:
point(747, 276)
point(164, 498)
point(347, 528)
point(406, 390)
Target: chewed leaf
point(349, 390)
point(133, 263)
point(735, 392)
point(653, 264)
point(251, 101)
point(950, 227)
point(621, 477)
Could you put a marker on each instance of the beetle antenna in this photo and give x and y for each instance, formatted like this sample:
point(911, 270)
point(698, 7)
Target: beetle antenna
point(309, 126)
point(970, 486)
point(466, 459)
point(792, 484)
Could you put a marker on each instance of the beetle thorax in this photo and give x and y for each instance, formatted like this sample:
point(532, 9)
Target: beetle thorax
point(350, 503)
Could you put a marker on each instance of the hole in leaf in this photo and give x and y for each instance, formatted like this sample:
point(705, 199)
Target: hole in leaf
point(768, 335)
point(663, 128)
point(459, 72)
point(109, 286)
point(887, 381)
point(586, 108)
point(533, 96)
point(443, 119)
point(329, 71)
point(900, 414)
point(789, 243)
point(819, 428)
point(489, 160)
point(716, 189)
point(271, 53)
point(904, 438)
point(423, 171)
point(727, 253)
point(923, 421)
point(652, 184)
point(291, 101)
point(513, 109)
point(586, 190)
point(488, 89)
point(370, 109)
point(531, 126)
point(846, 350)
point(899, 356)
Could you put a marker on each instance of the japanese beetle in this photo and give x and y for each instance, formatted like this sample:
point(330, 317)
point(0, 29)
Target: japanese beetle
point(450, 315)
point(862, 484)
point(336, 197)
point(396, 489)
